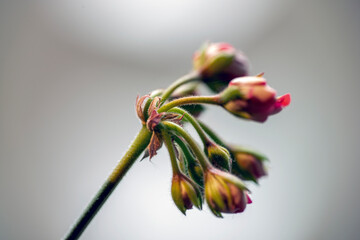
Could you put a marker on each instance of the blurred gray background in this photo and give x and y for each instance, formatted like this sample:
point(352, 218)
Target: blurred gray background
point(70, 72)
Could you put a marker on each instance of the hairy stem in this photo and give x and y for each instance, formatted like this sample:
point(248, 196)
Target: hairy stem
point(194, 123)
point(171, 150)
point(215, 100)
point(204, 162)
point(137, 147)
point(212, 134)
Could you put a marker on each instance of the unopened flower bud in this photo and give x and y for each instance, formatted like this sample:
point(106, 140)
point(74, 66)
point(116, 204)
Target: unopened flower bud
point(251, 98)
point(185, 193)
point(248, 164)
point(224, 192)
point(219, 63)
point(219, 156)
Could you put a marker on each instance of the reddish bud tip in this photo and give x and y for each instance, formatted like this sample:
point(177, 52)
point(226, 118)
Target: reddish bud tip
point(284, 100)
point(248, 197)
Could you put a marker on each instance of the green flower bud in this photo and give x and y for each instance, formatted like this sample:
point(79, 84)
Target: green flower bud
point(219, 156)
point(224, 192)
point(185, 193)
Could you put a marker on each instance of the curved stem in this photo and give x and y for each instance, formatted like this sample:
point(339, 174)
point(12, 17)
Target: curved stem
point(193, 122)
point(204, 162)
point(212, 134)
point(190, 100)
point(137, 147)
point(188, 154)
point(192, 76)
point(170, 147)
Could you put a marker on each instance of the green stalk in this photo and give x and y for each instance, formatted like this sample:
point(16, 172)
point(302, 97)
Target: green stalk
point(204, 162)
point(215, 100)
point(193, 121)
point(211, 134)
point(137, 147)
point(188, 154)
point(169, 145)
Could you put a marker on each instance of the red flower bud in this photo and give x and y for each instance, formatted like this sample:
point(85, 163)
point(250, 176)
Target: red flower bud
point(253, 98)
point(219, 63)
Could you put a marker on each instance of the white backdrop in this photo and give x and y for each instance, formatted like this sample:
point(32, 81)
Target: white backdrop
point(69, 75)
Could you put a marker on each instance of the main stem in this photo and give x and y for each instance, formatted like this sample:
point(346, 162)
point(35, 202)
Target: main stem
point(137, 147)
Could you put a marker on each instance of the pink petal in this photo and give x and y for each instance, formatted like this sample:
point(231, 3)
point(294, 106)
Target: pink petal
point(284, 100)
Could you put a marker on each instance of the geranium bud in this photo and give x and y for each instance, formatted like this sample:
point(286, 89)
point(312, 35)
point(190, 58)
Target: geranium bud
point(248, 164)
point(185, 193)
point(219, 63)
point(219, 156)
point(224, 192)
point(251, 98)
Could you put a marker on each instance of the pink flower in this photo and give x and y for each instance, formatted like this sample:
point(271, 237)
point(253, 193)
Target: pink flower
point(254, 99)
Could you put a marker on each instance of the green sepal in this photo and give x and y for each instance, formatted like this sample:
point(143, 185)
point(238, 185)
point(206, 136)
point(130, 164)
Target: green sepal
point(218, 63)
point(193, 193)
point(219, 156)
point(230, 93)
point(216, 213)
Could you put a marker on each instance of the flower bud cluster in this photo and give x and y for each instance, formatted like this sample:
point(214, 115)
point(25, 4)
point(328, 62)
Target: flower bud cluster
point(216, 173)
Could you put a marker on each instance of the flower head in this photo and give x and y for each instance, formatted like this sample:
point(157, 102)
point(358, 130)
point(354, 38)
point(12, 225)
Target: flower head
point(253, 98)
point(185, 193)
point(219, 63)
point(224, 192)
